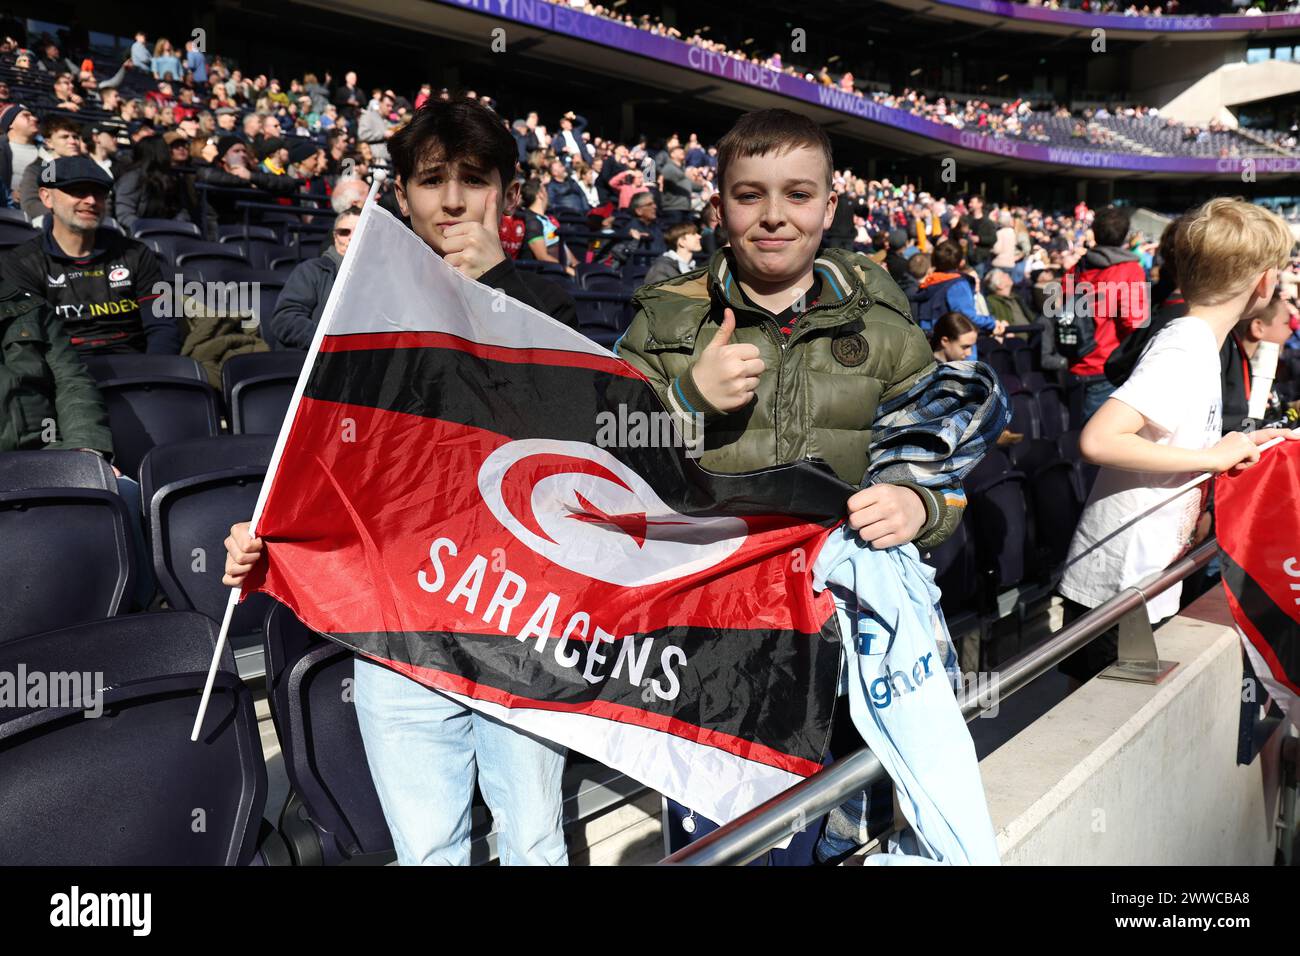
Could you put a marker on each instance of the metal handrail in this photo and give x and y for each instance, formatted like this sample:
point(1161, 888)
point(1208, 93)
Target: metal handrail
point(755, 832)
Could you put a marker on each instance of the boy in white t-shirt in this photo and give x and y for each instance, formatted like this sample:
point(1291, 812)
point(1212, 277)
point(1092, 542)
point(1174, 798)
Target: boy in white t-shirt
point(1162, 427)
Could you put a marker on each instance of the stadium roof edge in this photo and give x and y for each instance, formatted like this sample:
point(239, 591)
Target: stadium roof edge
point(1010, 16)
point(568, 35)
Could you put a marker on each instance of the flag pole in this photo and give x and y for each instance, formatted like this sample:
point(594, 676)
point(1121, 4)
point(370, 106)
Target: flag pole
point(273, 466)
point(1178, 493)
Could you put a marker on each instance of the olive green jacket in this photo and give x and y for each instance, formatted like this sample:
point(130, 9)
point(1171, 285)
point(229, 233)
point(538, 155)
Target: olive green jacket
point(817, 399)
point(47, 398)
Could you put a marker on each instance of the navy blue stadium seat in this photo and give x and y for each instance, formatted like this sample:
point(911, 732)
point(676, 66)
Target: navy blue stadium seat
point(187, 250)
point(602, 280)
point(283, 264)
point(1032, 455)
point(257, 251)
point(1024, 415)
point(149, 410)
point(1000, 360)
point(333, 813)
point(1056, 505)
point(602, 316)
point(193, 492)
point(957, 576)
point(163, 227)
point(127, 787)
point(13, 234)
point(998, 516)
point(13, 215)
point(141, 365)
point(1053, 415)
point(257, 387)
point(66, 533)
point(238, 231)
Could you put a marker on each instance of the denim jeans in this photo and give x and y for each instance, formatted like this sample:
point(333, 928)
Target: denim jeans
point(425, 749)
point(1096, 389)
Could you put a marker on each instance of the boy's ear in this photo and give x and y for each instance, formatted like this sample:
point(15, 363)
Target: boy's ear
point(399, 189)
point(832, 201)
point(513, 194)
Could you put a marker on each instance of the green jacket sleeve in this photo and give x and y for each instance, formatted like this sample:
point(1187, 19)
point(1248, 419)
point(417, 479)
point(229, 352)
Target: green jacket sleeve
point(678, 393)
point(78, 407)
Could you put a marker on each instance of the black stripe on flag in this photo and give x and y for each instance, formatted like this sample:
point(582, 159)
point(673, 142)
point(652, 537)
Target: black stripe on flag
point(1279, 629)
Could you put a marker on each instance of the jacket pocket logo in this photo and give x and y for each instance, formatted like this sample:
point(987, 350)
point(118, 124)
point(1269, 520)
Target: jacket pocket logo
point(849, 350)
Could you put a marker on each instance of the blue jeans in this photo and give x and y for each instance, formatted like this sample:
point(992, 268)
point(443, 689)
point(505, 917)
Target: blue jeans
point(425, 749)
point(1096, 389)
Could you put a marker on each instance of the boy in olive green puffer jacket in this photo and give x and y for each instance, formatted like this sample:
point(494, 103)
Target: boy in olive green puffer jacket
point(785, 354)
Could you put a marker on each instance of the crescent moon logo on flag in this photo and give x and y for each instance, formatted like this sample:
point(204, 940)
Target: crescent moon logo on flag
point(578, 506)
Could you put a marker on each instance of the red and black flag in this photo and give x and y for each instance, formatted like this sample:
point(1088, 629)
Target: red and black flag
point(1258, 527)
point(486, 501)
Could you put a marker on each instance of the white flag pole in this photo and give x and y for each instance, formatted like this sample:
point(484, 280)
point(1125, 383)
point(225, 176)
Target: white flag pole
point(273, 466)
point(1178, 492)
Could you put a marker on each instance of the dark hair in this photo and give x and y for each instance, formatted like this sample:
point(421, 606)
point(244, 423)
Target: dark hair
point(1165, 252)
point(531, 189)
point(673, 234)
point(1110, 225)
point(53, 122)
point(456, 129)
point(771, 131)
point(947, 256)
point(952, 326)
point(162, 191)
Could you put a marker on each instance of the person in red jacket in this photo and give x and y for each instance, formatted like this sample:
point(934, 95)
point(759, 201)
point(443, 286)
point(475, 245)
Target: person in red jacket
point(1121, 300)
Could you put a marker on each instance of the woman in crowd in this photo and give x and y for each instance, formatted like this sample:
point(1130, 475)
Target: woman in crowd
point(953, 338)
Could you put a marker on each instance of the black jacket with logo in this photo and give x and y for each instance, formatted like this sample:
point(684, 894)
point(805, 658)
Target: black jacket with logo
point(103, 300)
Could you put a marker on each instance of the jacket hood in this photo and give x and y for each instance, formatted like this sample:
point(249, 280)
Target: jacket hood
point(1103, 257)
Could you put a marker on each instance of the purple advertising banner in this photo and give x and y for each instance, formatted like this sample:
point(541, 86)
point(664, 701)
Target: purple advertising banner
point(583, 26)
point(1236, 23)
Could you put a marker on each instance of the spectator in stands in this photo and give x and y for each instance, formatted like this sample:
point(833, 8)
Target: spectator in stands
point(953, 338)
point(982, 233)
point(373, 128)
point(568, 142)
point(100, 283)
point(896, 242)
point(349, 98)
point(274, 155)
point(166, 64)
point(585, 176)
point(251, 128)
point(683, 240)
point(301, 302)
point(233, 168)
point(422, 747)
point(644, 227)
point(64, 96)
point(307, 166)
point(1004, 305)
point(196, 63)
point(541, 235)
point(18, 150)
point(723, 366)
point(952, 288)
point(1116, 284)
point(103, 150)
point(918, 267)
point(563, 192)
point(150, 189)
point(1163, 425)
point(141, 58)
point(1272, 324)
point(62, 137)
point(680, 186)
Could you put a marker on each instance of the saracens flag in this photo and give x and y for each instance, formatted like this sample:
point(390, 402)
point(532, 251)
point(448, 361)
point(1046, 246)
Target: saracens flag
point(1258, 527)
point(483, 499)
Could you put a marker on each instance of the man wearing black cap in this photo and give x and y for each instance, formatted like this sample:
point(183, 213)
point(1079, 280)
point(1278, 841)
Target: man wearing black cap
point(100, 283)
point(234, 166)
point(18, 128)
point(306, 164)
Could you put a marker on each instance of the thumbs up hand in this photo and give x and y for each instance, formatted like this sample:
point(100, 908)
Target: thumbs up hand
point(726, 374)
point(474, 246)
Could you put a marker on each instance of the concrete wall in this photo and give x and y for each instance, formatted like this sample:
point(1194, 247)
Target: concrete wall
point(1131, 774)
point(1230, 85)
